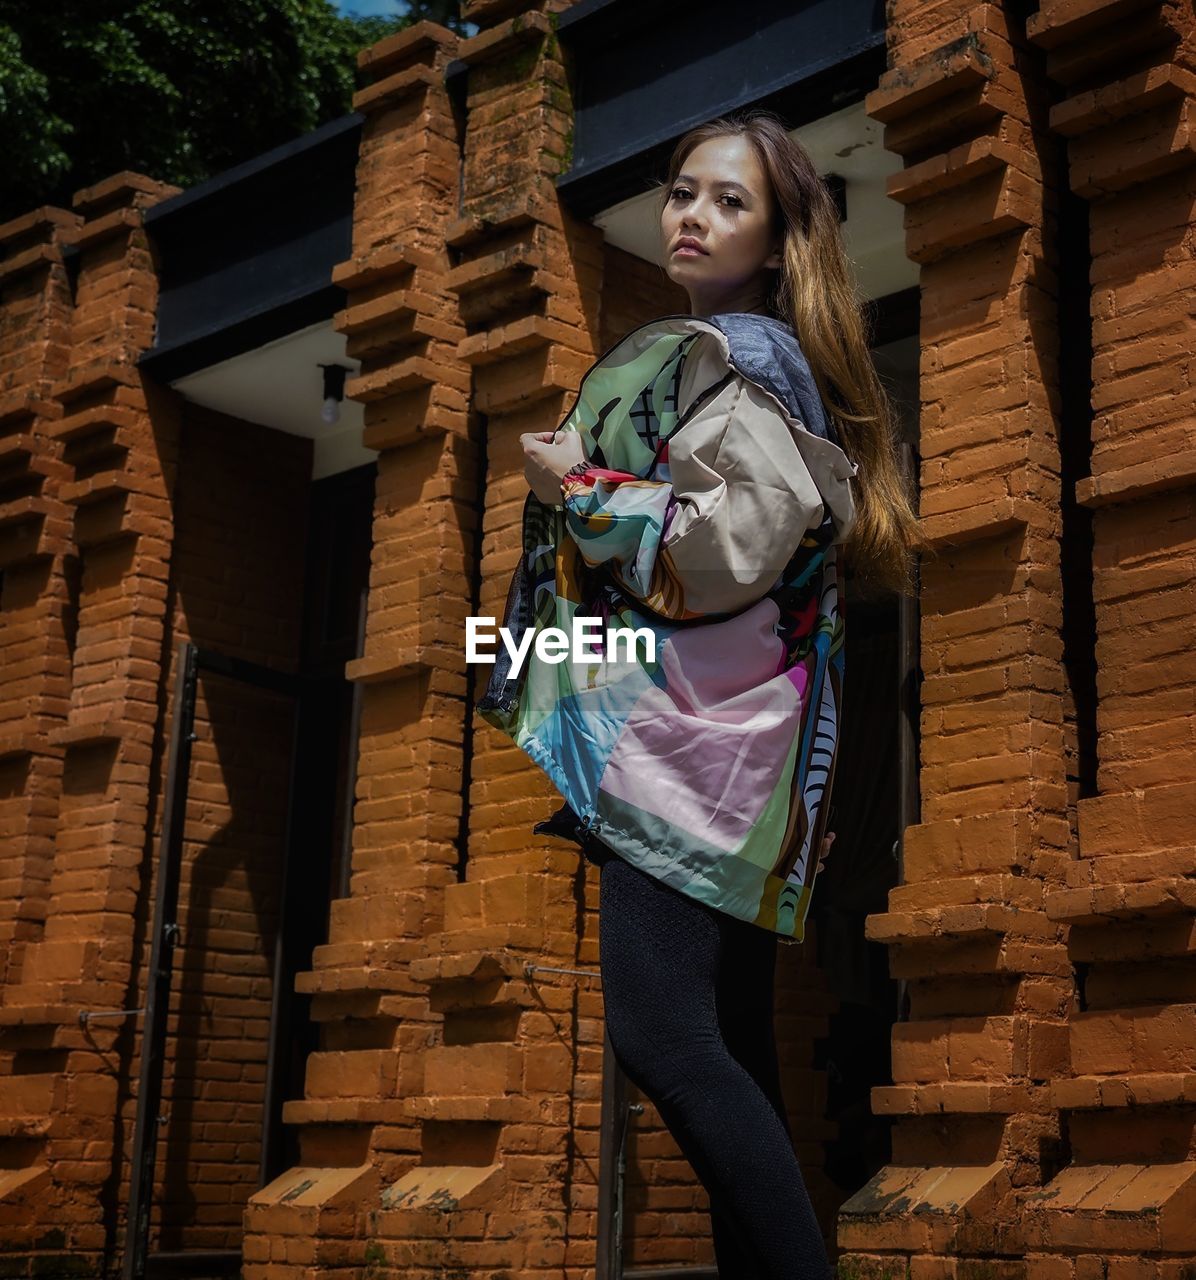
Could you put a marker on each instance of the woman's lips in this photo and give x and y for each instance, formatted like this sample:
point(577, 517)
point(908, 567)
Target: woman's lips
point(689, 249)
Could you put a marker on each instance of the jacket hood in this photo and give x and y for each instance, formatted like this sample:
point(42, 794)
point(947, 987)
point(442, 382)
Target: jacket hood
point(766, 350)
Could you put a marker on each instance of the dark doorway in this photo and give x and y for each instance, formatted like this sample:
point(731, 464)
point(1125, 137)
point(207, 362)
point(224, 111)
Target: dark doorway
point(320, 821)
point(875, 797)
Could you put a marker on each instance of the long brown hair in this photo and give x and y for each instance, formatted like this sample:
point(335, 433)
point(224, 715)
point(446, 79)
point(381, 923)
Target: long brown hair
point(815, 294)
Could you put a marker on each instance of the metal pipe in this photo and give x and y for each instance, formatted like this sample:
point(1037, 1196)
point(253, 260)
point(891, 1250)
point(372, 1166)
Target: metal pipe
point(88, 1015)
point(161, 965)
point(908, 712)
point(671, 1273)
point(529, 968)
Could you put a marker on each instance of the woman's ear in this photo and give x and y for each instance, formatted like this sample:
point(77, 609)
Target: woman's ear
point(775, 258)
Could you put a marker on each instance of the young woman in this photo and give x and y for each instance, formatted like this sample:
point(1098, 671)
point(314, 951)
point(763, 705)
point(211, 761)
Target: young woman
point(712, 469)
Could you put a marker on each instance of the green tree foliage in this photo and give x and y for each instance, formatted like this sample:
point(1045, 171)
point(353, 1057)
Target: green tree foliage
point(177, 89)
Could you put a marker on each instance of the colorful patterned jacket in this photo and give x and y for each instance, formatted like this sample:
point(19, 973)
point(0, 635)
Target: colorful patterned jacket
point(709, 510)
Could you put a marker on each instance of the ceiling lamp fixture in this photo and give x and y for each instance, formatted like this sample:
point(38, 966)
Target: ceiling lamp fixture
point(334, 391)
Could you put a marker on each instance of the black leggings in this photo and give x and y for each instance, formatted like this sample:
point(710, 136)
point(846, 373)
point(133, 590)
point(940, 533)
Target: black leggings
point(688, 995)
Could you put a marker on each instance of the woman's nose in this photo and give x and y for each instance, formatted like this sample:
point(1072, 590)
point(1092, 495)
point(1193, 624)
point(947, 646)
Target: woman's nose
point(693, 216)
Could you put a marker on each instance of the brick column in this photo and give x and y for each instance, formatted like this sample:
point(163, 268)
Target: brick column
point(36, 557)
point(362, 1116)
point(1129, 121)
point(989, 978)
point(99, 468)
point(496, 1108)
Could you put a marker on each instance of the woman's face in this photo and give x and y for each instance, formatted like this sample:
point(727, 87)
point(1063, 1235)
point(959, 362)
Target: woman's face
point(721, 199)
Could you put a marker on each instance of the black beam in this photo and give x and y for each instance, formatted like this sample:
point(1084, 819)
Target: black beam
point(642, 74)
point(247, 256)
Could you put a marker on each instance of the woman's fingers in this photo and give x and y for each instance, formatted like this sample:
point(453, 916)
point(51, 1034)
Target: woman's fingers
point(827, 841)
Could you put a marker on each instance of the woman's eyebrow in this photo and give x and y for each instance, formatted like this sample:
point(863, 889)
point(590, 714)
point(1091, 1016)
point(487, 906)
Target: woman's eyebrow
point(718, 182)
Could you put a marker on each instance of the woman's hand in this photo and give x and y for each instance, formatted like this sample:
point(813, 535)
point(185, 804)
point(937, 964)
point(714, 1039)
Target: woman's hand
point(545, 463)
point(828, 840)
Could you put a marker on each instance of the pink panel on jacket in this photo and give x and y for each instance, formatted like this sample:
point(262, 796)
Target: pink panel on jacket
point(722, 722)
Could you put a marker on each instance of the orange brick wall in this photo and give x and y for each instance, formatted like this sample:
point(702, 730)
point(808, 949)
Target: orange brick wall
point(450, 1116)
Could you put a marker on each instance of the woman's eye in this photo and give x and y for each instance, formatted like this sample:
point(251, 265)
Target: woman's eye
point(682, 192)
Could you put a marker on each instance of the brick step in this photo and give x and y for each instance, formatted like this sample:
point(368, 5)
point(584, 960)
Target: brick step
point(121, 511)
point(24, 509)
point(103, 726)
point(31, 526)
point(1134, 1209)
point(391, 954)
point(35, 999)
point(1147, 1039)
point(483, 978)
point(399, 305)
point(1022, 892)
point(355, 979)
point(1137, 937)
point(1122, 822)
point(57, 960)
point(105, 450)
point(513, 266)
point(346, 955)
point(295, 1203)
point(115, 482)
point(520, 944)
point(23, 738)
point(896, 1207)
point(25, 1007)
point(1140, 1089)
point(20, 1184)
point(98, 378)
point(1100, 904)
point(407, 418)
point(528, 377)
point(366, 916)
point(17, 449)
point(400, 376)
point(361, 1111)
point(501, 1110)
point(517, 336)
point(488, 1069)
point(20, 407)
point(24, 1127)
point(1130, 868)
point(338, 1005)
point(385, 263)
point(970, 920)
point(352, 1073)
point(26, 1097)
point(415, 335)
point(438, 1186)
point(114, 420)
point(960, 1097)
point(1099, 107)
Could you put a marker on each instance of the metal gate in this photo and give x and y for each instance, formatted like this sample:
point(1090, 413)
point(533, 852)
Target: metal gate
point(138, 1261)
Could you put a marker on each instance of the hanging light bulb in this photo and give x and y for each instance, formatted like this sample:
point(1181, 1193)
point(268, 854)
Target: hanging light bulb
point(334, 391)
